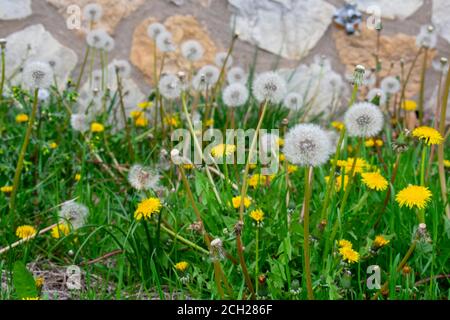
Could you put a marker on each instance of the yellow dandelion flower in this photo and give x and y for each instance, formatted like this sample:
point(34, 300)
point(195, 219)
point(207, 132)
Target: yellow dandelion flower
point(414, 196)
point(147, 208)
point(136, 114)
point(338, 125)
point(53, 145)
point(21, 118)
point(39, 281)
point(349, 255)
point(447, 163)
point(252, 166)
point(145, 104)
point(360, 166)
point(237, 202)
point(172, 121)
point(223, 150)
point(97, 127)
point(280, 142)
point(292, 168)
point(428, 135)
point(6, 189)
point(141, 121)
point(25, 231)
point(60, 230)
point(209, 123)
point(370, 143)
point(256, 180)
point(409, 105)
point(257, 215)
point(188, 166)
point(77, 177)
point(374, 181)
point(182, 266)
point(282, 157)
point(345, 244)
point(380, 242)
point(338, 182)
point(379, 142)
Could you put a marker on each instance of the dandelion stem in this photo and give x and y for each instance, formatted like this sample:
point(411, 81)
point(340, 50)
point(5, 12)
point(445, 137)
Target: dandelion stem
point(307, 264)
point(184, 240)
point(257, 259)
point(12, 203)
point(2, 81)
point(422, 86)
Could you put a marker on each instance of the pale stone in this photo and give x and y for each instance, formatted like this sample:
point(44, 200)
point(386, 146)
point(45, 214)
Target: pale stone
point(34, 43)
point(389, 9)
point(182, 28)
point(14, 9)
point(360, 49)
point(441, 17)
point(113, 11)
point(288, 28)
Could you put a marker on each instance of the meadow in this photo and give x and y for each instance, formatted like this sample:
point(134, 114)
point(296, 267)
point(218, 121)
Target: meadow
point(351, 206)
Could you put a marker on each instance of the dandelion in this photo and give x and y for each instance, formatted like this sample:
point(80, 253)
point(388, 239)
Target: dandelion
point(223, 150)
point(77, 177)
point(338, 182)
point(74, 213)
point(358, 75)
point(269, 86)
point(108, 44)
point(427, 37)
point(182, 266)
point(360, 166)
point(79, 122)
point(345, 244)
point(145, 104)
point(307, 145)
point(61, 230)
point(235, 95)
point(447, 163)
point(97, 127)
point(217, 251)
point(147, 208)
point(375, 181)
point(155, 29)
point(93, 12)
point(53, 145)
point(206, 78)
point(172, 120)
point(292, 169)
point(122, 67)
point(96, 38)
point(21, 118)
point(414, 196)
point(364, 120)
point(170, 86)
point(25, 231)
point(257, 215)
point(237, 75)
point(409, 105)
point(164, 42)
point(142, 178)
point(43, 94)
point(37, 75)
point(39, 282)
point(390, 85)
point(377, 92)
point(349, 255)
point(293, 101)
point(192, 50)
point(257, 179)
point(6, 189)
point(141, 121)
point(380, 241)
point(236, 201)
point(220, 60)
point(338, 125)
point(429, 135)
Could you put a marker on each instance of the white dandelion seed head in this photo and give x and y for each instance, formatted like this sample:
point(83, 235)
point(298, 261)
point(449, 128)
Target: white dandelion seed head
point(364, 119)
point(237, 74)
point(307, 145)
point(220, 60)
point(79, 122)
point(440, 65)
point(192, 50)
point(142, 178)
point(74, 213)
point(293, 101)
point(335, 81)
point(37, 75)
point(235, 95)
point(206, 78)
point(108, 44)
point(93, 12)
point(123, 67)
point(390, 85)
point(269, 86)
point(155, 29)
point(170, 86)
point(165, 43)
point(377, 92)
point(95, 38)
point(427, 37)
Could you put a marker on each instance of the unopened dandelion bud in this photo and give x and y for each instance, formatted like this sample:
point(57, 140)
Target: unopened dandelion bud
point(285, 122)
point(430, 28)
point(358, 75)
point(3, 42)
point(444, 61)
